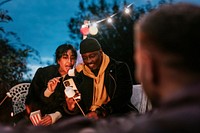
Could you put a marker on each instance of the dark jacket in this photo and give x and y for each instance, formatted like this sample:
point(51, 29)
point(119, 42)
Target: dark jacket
point(179, 114)
point(118, 84)
point(36, 98)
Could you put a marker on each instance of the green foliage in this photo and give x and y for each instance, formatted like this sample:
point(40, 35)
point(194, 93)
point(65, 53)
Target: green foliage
point(13, 54)
point(116, 38)
point(12, 63)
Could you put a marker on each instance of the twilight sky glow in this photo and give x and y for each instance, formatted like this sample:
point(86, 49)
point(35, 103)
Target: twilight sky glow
point(42, 24)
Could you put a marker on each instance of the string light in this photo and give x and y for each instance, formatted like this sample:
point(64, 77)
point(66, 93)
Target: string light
point(109, 20)
point(94, 24)
point(92, 27)
point(127, 10)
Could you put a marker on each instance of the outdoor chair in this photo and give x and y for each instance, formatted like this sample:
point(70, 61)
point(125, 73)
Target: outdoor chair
point(140, 100)
point(19, 93)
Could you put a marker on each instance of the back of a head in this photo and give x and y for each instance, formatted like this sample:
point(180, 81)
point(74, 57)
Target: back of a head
point(175, 30)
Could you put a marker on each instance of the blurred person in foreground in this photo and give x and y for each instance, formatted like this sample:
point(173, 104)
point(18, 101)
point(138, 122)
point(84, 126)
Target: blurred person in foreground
point(105, 84)
point(167, 59)
point(46, 92)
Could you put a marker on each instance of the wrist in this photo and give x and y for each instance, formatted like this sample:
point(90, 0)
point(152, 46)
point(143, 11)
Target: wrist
point(55, 116)
point(47, 93)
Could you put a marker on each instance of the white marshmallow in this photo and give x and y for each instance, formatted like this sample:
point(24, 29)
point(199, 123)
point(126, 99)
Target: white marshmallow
point(69, 92)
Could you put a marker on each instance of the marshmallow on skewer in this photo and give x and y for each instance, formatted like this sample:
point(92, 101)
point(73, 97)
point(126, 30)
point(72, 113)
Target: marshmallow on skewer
point(69, 92)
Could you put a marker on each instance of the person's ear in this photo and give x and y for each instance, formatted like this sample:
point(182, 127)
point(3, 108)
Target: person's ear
point(101, 53)
point(150, 68)
point(144, 60)
point(145, 66)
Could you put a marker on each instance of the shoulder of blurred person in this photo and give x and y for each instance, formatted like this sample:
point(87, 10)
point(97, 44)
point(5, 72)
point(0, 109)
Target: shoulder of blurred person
point(167, 64)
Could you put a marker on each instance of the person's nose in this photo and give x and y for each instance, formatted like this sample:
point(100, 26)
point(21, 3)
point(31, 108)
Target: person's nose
point(89, 60)
point(69, 61)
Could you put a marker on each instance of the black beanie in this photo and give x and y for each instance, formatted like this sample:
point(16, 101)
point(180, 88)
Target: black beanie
point(89, 45)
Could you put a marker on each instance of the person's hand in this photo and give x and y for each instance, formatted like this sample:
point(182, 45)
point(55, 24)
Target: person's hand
point(71, 103)
point(28, 109)
point(77, 95)
point(92, 115)
point(46, 120)
point(53, 83)
point(79, 67)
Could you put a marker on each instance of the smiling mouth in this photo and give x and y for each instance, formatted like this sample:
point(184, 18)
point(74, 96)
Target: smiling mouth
point(91, 65)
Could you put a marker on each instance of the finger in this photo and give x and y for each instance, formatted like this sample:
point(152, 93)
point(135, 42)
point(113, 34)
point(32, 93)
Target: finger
point(77, 97)
point(77, 94)
point(92, 115)
point(69, 100)
point(46, 121)
point(55, 80)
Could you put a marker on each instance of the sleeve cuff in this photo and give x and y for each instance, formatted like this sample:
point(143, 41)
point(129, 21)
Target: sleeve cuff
point(55, 116)
point(47, 92)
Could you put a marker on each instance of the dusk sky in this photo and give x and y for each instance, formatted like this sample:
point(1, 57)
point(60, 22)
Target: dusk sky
point(42, 24)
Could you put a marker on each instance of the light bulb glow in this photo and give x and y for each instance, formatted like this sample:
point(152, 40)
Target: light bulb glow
point(127, 10)
point(94, 24)
point(109, 20)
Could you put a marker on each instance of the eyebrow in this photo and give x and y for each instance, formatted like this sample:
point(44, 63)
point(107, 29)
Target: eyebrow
point(67, 54)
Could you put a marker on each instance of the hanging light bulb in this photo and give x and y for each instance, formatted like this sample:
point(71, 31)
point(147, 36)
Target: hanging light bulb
point(93, 30)
point(85, 28)
point(127, 10)
point(94, 24)
point(109, 20)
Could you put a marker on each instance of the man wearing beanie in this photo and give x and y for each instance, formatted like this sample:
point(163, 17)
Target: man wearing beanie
point(104, 83)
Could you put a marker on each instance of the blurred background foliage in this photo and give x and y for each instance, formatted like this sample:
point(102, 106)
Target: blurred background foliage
point(13, 53)
point(116, 38)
